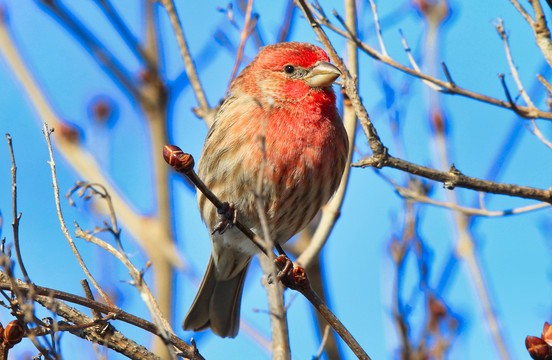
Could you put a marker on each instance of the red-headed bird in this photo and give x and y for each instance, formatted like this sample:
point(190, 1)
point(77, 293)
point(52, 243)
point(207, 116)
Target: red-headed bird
point(285, 96)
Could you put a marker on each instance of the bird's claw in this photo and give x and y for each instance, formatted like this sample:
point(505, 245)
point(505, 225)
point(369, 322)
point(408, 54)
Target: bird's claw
point(292, 276)
point(228, 215)
point(285, 266)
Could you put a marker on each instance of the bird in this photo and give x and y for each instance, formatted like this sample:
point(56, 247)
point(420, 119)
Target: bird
point(280, 118)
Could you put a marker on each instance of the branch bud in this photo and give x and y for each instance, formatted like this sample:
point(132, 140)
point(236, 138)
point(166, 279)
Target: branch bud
point(178, 159)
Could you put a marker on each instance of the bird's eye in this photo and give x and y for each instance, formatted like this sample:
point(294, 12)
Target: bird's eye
point(289, 69)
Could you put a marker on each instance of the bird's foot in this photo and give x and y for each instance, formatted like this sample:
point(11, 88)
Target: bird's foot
point(292, 276)
point(228, 215)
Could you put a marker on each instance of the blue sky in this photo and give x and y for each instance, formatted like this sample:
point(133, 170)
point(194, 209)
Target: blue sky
point(514, 252)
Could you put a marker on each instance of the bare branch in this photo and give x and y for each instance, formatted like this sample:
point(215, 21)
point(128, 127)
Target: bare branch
point(164, 329)
point(416, 196)
point(454, 178)
point(446, 87)
point(204, 111)
point(46, 131)
point(184, 163)
point(465, 249)
point(16, 215)
point(348, 83)
point(284, 31)
point(513, 69)
point(415, 64)
point(536, 131)
point(274, 289)
point(45, 297)
point(378, 28)
point(123, 30)
point(542, 32)
point(523, 12)
point(94, 47)
point(248, 27)
point(330, 212)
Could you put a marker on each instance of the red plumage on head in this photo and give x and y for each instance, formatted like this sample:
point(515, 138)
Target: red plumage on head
point(274, 57)
point(264, 79)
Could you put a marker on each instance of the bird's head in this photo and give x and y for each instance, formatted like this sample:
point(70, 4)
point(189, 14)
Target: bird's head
point(289, 72)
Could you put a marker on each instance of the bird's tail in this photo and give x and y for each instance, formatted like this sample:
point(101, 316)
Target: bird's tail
point(217, 304)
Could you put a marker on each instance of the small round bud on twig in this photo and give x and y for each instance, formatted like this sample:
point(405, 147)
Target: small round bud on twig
point(537, 348)
point(13, 333)
point(547, 333)
point(178, 159)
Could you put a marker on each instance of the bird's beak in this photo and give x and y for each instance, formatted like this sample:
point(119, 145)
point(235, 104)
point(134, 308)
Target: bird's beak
point(323, 74)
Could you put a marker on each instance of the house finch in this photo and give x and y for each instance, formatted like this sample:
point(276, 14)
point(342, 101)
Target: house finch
point(283, 96)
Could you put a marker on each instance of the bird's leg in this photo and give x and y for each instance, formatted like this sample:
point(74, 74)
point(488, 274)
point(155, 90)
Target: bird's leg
point(228, 215)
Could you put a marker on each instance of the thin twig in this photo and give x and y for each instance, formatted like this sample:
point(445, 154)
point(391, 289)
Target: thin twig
point(325, 337)
point(276, 310)
point(466, 250)
point(541, 31)
point(453, 179)
point(417, 197)
point(47, 132)
point(447, 74)
point(398, 250)
point(523, 12)
point(16, 215)
point(513, 104)
point(502, 33)
point(334, 323)
point(45, 295)
point(123, 30)
point(96, 315)
point(545, 82)
point(164, 329)
point(204, 111)
point(106, 59)
point(415, 64)
point(285, 28)
point(444, 86)
point(153, 306)
point(536, 131)
point(254, 29)
point(184, 163)
point(378, 28)
point(330, 212)
point(156, 115)
point(274, 289)
point(248, 26)
point(381, 158)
